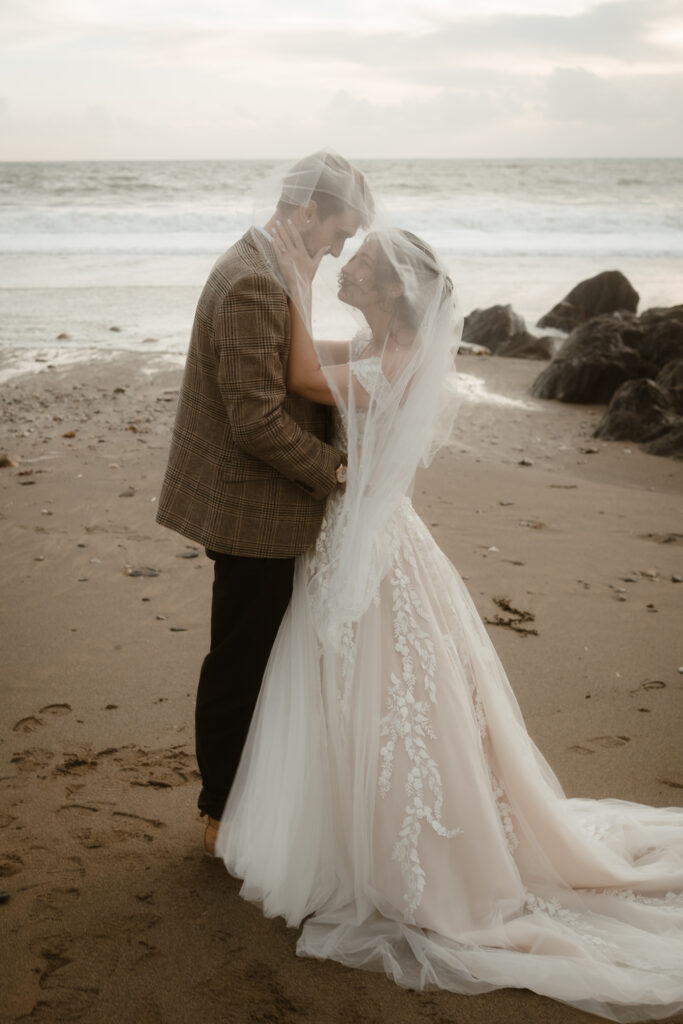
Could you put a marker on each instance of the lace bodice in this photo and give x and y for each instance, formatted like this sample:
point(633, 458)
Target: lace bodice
point(369, 374)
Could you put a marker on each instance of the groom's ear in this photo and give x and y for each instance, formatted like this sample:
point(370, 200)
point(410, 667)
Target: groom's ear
point(310, 212)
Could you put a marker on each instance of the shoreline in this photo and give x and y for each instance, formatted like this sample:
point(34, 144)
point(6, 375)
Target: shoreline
point(114, 912)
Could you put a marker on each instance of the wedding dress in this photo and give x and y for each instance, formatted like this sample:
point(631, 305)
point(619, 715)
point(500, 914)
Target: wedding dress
point(391, 799)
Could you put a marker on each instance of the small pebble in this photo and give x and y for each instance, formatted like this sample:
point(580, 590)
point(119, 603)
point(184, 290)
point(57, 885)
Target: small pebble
point(493, 548)
point(82, 579)
point(178, 629)
point(677, 579)
point(128, 493)
point(161, 618)
point(525, 462)
point(39, 558)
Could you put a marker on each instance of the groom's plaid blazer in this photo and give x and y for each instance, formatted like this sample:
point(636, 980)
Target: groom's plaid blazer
point(249, 468)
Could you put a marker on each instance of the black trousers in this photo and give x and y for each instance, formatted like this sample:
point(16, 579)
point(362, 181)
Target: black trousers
point(250, 597)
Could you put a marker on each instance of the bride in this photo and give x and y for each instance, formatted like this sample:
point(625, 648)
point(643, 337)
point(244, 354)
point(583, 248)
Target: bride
point(389, 795)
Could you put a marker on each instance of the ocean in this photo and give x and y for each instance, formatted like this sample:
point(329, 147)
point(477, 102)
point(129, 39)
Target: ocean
point(87, 247)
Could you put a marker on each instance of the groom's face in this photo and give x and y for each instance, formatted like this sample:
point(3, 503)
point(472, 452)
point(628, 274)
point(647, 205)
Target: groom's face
point(331, 232)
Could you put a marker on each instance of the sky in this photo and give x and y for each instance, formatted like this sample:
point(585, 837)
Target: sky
point(221, 79)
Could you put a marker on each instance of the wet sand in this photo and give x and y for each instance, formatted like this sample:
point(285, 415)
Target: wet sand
point(114, 913)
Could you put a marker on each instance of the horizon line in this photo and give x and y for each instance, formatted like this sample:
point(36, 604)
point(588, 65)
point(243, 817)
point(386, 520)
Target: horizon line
point(284, 159)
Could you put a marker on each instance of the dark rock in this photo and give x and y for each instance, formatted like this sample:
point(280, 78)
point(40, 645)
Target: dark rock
point(492, 327)
point(592, 363)
point(670, 443)
point(63, 336)
point(671, 375)
point(605, 293)
point(523, 345)
point(639, 411)
point(661, 341)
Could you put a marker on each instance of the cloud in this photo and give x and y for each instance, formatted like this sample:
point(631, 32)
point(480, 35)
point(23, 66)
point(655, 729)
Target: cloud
point(624, 30)
point(205, 79)
point(574, 94)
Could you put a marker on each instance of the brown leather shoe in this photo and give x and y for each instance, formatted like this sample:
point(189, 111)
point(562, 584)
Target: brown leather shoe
point(210, 835)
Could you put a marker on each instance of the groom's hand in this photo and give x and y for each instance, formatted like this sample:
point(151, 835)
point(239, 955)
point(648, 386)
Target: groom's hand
point(296, 265)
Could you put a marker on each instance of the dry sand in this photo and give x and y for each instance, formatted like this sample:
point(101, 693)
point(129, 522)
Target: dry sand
point(114, 913)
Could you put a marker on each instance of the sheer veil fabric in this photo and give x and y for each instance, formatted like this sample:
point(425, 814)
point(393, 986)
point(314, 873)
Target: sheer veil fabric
point(389, 795)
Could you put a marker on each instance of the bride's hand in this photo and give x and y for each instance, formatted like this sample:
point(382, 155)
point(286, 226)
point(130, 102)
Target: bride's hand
point(297, 267)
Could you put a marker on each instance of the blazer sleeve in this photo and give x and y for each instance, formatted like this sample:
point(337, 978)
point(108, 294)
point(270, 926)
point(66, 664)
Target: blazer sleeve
point(249, 337)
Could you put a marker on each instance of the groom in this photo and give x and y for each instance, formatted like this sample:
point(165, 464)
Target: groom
point(250, 468)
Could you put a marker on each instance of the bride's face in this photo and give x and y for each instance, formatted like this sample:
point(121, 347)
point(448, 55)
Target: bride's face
point(357, 285)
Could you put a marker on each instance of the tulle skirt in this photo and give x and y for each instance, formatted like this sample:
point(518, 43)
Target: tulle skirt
point(390, 797)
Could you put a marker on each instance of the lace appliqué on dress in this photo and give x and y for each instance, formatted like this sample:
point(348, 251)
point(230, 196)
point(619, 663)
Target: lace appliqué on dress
point(369, 374)
point(407, 722)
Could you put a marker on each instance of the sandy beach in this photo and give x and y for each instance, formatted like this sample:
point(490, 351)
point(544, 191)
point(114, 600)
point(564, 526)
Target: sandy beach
point(115, 914)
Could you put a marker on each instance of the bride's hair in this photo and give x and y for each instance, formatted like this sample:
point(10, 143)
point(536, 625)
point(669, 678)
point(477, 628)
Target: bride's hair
point(330, 180)
point(404, 259)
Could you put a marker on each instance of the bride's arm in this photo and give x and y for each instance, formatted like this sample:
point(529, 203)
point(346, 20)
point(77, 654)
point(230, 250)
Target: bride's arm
point(332, 353)
point(304, 374)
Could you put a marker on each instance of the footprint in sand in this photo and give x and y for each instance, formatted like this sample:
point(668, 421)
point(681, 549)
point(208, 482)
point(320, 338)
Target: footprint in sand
point(31, 723)
point(71, 970)
point(10, 864)
point(610, 741)
point(56, 709)
point(32, 760)
point(133, 826)
point(156, 769)
point(51, 904)
point(671, 783)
